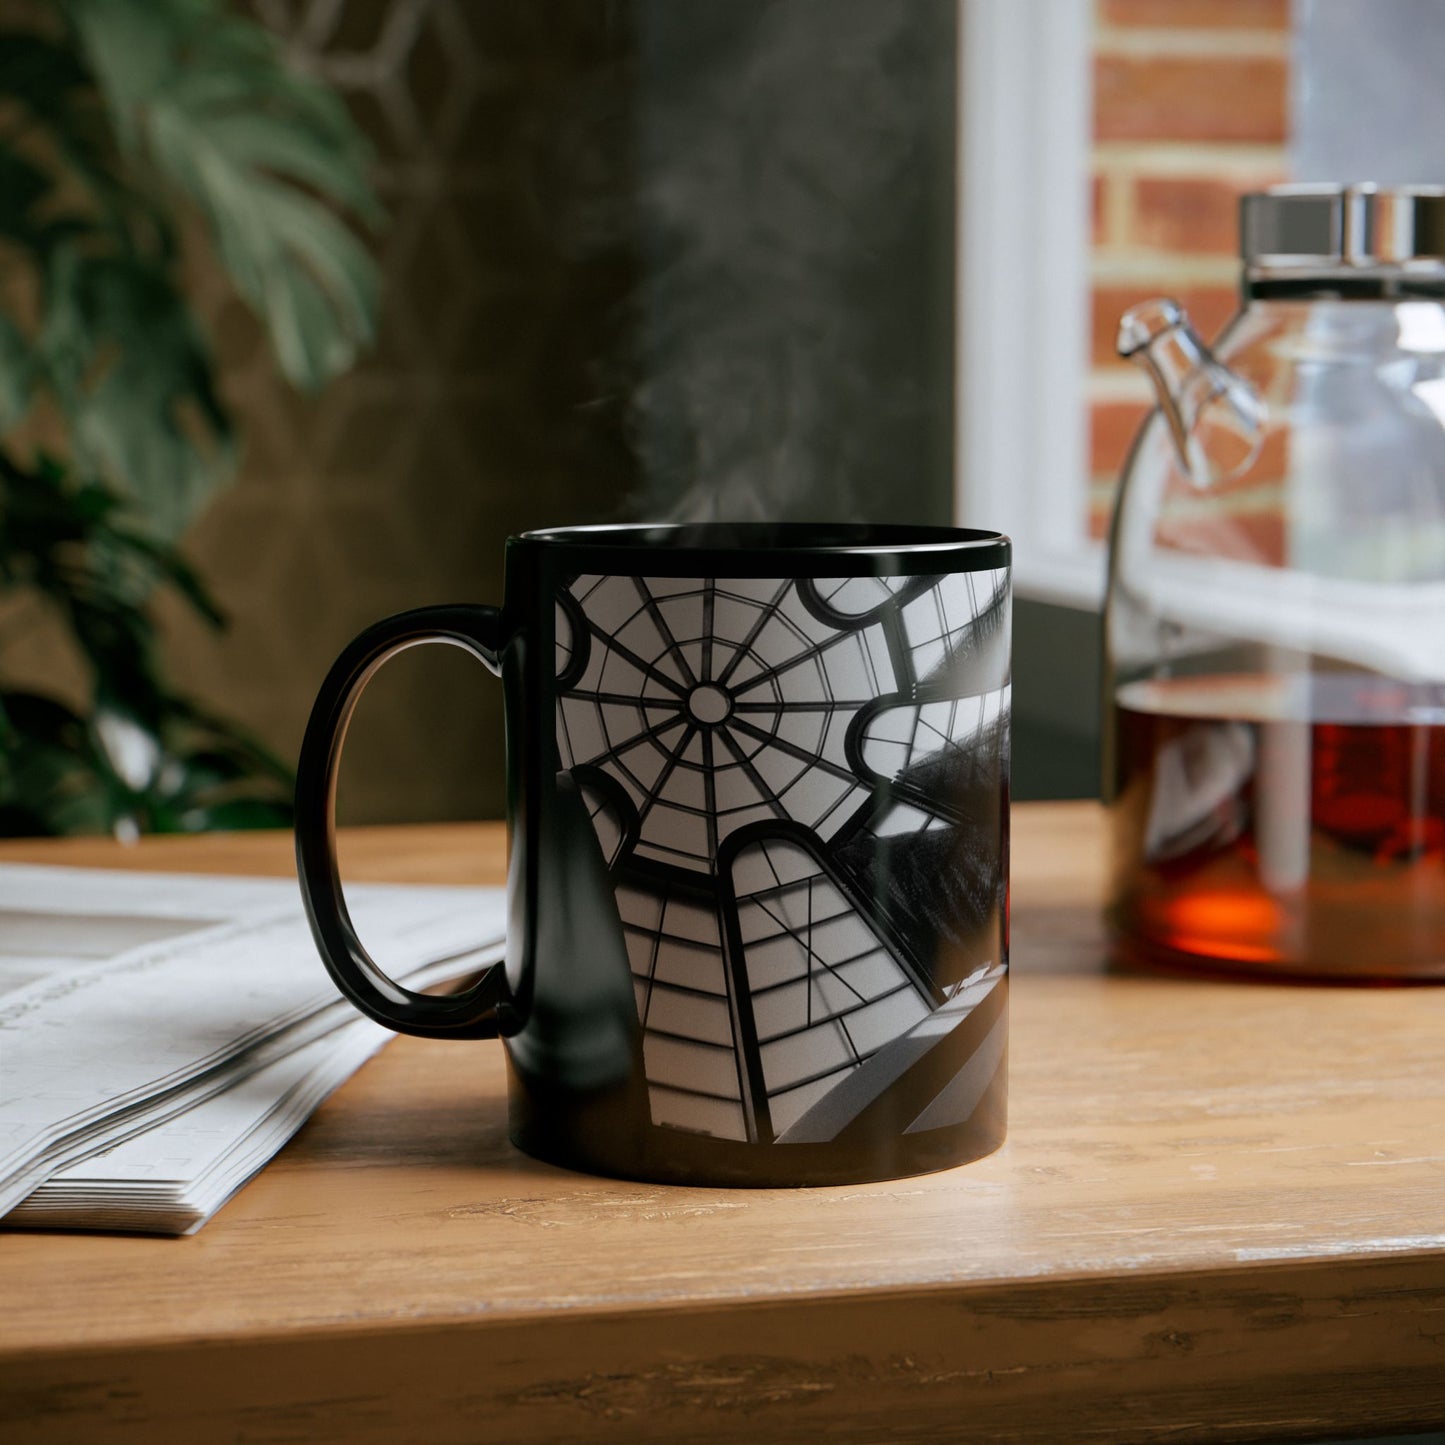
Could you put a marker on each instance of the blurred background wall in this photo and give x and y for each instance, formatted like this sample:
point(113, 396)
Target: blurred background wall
point(644, 258)
point(1369, 104)
point(688, 258)
point(665, 258)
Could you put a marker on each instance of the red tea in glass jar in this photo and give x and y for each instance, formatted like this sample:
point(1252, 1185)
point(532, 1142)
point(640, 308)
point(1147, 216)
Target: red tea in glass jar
point(1286, 824)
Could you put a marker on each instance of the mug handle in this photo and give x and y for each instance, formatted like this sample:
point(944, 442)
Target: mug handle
point(471, 1014)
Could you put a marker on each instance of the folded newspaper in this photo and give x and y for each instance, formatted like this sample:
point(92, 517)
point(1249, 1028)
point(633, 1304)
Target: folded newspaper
point(161, 1036)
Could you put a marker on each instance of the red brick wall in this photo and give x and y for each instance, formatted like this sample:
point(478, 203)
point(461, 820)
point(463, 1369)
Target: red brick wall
point(1190, 110)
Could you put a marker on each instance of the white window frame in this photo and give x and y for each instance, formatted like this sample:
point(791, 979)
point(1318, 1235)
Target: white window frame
point(1021, 441)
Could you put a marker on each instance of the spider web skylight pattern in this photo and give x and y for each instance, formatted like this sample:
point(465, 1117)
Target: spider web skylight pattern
point(856, 597)
point(825, 991)
point(691, 709)
point(566, 643)
point(715, 704)
point(897, 739)
point(940, 622)
point(680, 979)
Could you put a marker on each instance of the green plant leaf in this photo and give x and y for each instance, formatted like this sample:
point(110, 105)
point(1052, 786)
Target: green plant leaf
point(235, 814)
point(17, 371)
point(169, 566)
point(22, 186)
point(49, 783)
point(58, 774)
point(236, 743)
point(54, 95)
point(263, 151)
point(112, 117)
point(134, 378)
point(38, 72)
point(74, 547)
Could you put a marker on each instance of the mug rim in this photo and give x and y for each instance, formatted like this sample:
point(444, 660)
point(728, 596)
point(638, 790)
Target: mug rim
point(774, 539)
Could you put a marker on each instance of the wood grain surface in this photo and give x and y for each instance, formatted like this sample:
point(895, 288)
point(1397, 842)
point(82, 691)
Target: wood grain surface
point(1220, 1214)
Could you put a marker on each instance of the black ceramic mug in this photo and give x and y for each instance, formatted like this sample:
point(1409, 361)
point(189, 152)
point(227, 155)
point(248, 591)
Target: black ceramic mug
point(758, 883)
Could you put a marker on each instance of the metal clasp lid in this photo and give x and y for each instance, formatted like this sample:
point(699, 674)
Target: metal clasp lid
point(1334, 227)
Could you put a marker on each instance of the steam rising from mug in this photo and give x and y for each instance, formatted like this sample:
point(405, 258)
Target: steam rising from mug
point(790, 330)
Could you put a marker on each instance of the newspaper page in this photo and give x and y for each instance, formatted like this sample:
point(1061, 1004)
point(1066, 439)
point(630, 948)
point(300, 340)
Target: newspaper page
point(131, 1002)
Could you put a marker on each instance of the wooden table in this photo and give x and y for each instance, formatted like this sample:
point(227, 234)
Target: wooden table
point(1220, 1214)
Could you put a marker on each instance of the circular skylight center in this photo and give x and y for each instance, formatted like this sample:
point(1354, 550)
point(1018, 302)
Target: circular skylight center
point(709, 704)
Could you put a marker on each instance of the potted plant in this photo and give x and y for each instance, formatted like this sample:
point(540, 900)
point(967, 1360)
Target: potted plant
point(129, 129)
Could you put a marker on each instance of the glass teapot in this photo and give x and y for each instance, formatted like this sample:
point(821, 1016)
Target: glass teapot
point(1275, 624)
